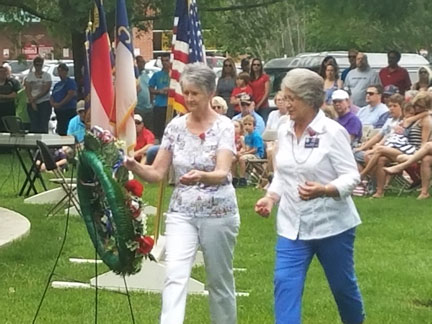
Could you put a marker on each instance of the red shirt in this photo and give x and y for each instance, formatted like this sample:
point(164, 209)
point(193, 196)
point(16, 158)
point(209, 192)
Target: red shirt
point(399, 77)
point(237, 91)
point(258, 88)
point(143, 138)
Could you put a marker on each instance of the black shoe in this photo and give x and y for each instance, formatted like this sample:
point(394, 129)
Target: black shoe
point(235, 182)
point(242, 182)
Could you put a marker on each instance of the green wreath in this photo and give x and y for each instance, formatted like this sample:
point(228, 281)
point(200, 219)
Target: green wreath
point(111, 204)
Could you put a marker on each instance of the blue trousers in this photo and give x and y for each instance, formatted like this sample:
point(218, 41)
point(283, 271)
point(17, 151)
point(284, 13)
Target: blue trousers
point(335, 254)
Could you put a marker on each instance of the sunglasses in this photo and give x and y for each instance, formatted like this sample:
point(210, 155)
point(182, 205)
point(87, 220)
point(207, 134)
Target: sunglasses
point(245, 104)
point(227, 65)
point(137, 122)
point(371, 93)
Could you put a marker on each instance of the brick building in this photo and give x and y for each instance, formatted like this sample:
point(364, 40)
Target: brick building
point(34, 40)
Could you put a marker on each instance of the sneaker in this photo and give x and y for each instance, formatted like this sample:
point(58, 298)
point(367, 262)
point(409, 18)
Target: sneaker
point(235, 182)
point(242, 182)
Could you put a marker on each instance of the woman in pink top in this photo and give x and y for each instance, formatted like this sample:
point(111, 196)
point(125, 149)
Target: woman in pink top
point(260, 84)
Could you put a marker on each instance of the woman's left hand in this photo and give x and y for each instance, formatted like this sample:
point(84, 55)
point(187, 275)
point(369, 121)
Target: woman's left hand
point(311, 190)
point(191, 178)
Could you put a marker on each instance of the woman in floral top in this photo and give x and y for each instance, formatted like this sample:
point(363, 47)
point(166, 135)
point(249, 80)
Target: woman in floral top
point(203, 209)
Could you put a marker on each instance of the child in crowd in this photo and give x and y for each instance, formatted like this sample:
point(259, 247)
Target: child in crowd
point(253, 149)
point(238, 134)
point(242, 88)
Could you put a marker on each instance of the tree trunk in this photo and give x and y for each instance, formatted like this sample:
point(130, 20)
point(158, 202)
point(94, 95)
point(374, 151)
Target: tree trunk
point(79, 57)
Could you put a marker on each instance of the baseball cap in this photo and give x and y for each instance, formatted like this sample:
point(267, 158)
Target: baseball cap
point(390, 90)
point(80, 106)
point(244, 97)
point(340, 95)
point(138, 118)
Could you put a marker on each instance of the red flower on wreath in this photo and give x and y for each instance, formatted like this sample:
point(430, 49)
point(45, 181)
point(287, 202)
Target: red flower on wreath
point(145, 244)
point(202, 136)
point(135, 187)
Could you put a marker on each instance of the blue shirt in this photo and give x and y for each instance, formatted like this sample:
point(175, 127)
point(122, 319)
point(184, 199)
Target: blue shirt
point(60, 91)
point(255, 140)
point(143, 94)
point(259, 122)
point(160, 80)
point(76, 128)
point(369, 115)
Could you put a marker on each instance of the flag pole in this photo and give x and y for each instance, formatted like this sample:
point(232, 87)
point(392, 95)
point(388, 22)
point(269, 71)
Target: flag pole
point(186, 22)
point(162, 186)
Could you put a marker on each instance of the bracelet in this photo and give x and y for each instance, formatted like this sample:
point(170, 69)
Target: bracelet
point(326, 190)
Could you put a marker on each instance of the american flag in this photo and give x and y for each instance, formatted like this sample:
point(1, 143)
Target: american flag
point(187, 47)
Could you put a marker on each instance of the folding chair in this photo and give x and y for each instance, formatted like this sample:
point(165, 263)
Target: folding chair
point(402, 182)
point(67, 184)
point(257, 169)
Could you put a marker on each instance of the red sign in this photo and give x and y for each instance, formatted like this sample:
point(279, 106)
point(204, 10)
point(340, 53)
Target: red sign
point(30, 50)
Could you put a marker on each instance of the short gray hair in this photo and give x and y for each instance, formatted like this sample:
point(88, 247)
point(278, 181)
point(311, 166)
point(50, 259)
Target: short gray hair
point(199, 75)
point(307, 85)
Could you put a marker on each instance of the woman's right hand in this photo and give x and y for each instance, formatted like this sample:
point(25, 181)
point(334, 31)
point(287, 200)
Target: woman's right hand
point(129, 163)
point(264, 206)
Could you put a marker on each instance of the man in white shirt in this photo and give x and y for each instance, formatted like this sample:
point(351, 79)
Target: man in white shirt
point(371, 113)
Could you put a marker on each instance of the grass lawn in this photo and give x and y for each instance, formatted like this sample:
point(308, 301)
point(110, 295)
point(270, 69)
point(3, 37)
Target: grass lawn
point(393, 261)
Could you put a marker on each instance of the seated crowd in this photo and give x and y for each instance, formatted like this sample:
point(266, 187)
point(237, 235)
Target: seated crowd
point(387, 119)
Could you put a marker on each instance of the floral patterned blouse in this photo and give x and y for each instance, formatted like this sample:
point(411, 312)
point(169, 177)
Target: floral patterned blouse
point(198, 152)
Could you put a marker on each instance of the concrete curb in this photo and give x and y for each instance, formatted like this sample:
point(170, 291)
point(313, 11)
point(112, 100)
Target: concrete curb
point(13, 226)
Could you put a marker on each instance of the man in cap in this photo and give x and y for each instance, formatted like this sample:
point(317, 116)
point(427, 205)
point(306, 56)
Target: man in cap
point(247, 107)
point(346, 118)
point(395, 75)
point(144, 139)
point(389, 91)
point(76, 126)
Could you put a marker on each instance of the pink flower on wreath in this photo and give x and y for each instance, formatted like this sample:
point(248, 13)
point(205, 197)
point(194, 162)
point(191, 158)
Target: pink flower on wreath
point(106, 137)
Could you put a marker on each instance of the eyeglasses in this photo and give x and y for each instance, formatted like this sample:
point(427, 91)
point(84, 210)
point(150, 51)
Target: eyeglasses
point(227, 65)
point(371, 93)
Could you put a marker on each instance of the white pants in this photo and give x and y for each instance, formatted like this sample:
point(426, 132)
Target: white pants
point(217, 237)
